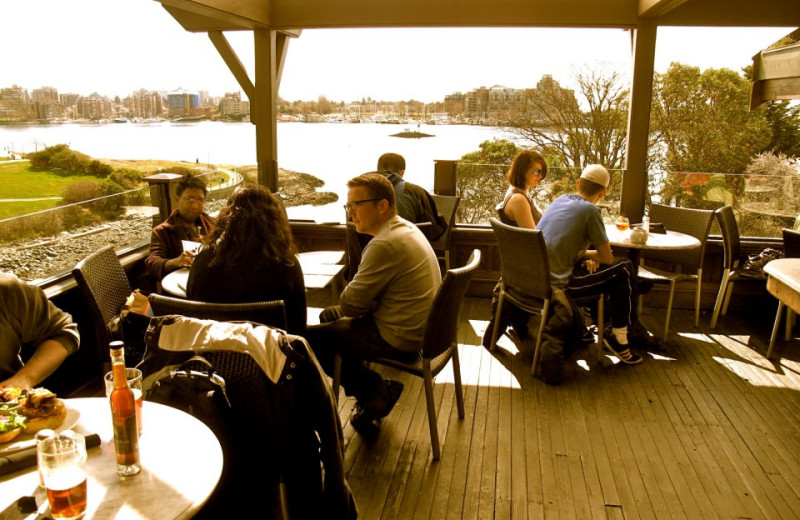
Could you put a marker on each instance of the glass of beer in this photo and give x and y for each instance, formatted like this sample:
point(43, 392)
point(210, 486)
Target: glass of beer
point(61, 458)
point(622, 223)
point(134, 376)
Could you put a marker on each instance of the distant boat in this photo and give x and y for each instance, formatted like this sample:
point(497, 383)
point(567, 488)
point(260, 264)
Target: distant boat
point(120, 120)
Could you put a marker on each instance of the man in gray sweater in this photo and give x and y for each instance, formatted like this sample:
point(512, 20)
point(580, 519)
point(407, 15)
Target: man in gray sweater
point(383, 310)
point(29, 319)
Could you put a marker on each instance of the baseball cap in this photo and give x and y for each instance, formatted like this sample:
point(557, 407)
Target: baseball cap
point(597, 174)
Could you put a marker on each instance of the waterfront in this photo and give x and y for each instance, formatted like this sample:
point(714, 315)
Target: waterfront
point(333, 152)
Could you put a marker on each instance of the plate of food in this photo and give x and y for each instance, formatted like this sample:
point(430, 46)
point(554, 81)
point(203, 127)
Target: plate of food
point(25, 412)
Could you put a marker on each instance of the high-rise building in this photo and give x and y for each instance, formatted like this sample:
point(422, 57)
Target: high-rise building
point(46, 104)
point(15, 103)
point(94, 107)
point(183, 103)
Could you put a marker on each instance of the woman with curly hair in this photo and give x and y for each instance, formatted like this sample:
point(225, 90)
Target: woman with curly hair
point(249, 256)
point(527, 170)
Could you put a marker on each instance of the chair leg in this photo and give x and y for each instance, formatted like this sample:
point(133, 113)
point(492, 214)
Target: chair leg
point(775, 329)
point(545, 310)
point(697, 298)
point(669, 309)
point(497, 314)
point(727, 298)
point(723, 289)
point(337, 376)
point(789, 323)
point(598, 353)
point(640, 304)
point(447, 259)
point(457, 381)
point(431, 411)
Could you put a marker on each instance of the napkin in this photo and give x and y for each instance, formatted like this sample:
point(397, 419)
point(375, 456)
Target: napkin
point(26, 458)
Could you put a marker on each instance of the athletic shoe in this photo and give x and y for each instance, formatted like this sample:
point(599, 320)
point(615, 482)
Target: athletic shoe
point(624, 353)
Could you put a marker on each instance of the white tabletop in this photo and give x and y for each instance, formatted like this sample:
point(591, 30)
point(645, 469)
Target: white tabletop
point(181, 465)
point(320, 268)
point(661, 241)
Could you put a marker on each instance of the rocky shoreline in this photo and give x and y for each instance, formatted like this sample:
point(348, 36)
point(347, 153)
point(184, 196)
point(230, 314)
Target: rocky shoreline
point(43, 257)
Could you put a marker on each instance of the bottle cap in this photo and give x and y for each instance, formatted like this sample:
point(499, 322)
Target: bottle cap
point(115, 345)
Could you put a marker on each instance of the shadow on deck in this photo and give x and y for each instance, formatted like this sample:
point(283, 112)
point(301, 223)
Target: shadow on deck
point(709, 429)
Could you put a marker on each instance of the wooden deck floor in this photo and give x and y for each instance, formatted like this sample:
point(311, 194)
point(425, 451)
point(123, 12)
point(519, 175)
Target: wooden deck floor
point(711, 429)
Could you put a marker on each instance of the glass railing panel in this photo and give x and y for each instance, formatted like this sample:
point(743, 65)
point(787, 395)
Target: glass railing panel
point(483, 186)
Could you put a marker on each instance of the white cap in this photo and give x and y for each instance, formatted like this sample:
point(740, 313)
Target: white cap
point(597, 174)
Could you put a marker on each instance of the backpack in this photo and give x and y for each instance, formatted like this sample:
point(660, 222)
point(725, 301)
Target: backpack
point(195, 388)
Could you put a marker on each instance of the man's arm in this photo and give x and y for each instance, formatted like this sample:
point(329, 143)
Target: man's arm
point(45, 360)
point(160, 261)
point(601, 255)
point(374, 272)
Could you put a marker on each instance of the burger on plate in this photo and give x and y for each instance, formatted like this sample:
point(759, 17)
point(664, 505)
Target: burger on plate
point(11, 425)
point(43, 410)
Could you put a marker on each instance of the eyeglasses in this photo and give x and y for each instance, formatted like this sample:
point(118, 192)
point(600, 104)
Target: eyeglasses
point(351, 206)
point(192, 200)
point(537, 172)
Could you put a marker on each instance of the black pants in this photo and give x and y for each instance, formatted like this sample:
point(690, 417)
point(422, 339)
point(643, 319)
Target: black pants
point(615, 281)
point(356, 340)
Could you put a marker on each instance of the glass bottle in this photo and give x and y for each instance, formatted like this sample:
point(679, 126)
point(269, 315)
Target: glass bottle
point(123, 415)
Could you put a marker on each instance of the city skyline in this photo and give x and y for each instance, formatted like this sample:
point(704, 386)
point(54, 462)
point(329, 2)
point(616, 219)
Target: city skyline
point(86, 46)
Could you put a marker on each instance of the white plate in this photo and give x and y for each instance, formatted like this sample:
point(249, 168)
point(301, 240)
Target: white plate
point(26, 440)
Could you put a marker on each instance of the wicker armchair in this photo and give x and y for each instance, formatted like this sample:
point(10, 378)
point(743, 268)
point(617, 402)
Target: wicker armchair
point(439, 345)
point(525, 268)
point(271, 313)
point(105, 288)
point(446, 206)
point(695, 222)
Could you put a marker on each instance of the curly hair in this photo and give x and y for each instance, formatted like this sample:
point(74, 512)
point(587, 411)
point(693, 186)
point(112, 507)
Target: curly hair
point(190, 181)
point(252, 229)
point(523, 162)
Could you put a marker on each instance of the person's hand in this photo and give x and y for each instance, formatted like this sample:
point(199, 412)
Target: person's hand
point(184, 260)
point(17, 381)
point(591, 265)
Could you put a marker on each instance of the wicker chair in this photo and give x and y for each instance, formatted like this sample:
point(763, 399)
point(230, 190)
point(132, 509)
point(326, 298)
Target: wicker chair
point(695, 222)
point(271, 313)
point(439, 345)
point(105, 288)
point(446, 206)
point(525, 267)
point(732, 261)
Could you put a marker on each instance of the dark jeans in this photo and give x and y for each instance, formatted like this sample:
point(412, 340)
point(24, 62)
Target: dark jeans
point(357, 340)
point(615, 281)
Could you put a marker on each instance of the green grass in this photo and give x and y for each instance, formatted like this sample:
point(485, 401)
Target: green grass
point(17, 181)
point(11, 209)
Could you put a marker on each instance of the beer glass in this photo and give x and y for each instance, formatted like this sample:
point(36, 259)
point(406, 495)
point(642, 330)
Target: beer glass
point(61, 458)
point(622, 223)
point(134, 376)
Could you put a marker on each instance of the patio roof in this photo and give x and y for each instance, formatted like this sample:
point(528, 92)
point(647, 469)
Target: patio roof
point(776, 75)
point(273, 22)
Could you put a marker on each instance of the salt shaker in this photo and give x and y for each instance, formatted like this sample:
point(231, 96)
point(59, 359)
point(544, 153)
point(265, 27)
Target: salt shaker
point(646, 224)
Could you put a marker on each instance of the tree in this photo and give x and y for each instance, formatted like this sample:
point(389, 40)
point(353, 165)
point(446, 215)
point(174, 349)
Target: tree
point(701, 123)
point(555, 120)
point(481, 180)
point(784, 121)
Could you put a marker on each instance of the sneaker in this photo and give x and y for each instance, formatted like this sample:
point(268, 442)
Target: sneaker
point(384, 399)
point(643, 339)
point(624, 353)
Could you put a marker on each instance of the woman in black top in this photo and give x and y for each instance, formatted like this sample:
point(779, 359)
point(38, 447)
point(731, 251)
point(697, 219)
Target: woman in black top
point(527, 170)
point(249, 256)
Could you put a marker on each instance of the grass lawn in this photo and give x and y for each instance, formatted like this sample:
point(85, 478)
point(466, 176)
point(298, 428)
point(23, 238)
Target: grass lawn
point(11, 209)
point(18, 182)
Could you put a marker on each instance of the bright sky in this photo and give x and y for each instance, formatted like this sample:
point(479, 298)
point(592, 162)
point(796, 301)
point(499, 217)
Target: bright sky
point(114, 47)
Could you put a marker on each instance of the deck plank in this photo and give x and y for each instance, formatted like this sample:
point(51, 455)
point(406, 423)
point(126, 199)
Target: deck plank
point(709, 429)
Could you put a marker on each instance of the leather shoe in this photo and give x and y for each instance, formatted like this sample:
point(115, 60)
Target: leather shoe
point(364, 423)
point(384, 399)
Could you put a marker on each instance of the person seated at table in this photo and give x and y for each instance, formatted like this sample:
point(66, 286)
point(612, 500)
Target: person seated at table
point(383, 310)
point(249, 256)
point(527, 170)
point(29, 320)
point(569, 226)
point(414, 203)
point(187, 222)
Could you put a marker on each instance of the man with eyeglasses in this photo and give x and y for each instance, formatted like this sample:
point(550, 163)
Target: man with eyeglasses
point(383, 310)
point(187, 222)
